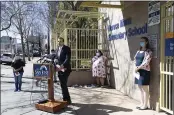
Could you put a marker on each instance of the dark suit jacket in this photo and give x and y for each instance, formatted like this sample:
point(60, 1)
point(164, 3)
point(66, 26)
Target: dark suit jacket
point(65, 57)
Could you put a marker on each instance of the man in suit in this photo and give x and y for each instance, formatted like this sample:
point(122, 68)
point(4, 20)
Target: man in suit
point(63, 66)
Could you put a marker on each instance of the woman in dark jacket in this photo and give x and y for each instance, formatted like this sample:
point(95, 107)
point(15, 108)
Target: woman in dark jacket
point(18, 71)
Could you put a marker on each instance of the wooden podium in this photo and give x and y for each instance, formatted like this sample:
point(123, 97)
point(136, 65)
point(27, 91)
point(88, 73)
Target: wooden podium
point(51, 105)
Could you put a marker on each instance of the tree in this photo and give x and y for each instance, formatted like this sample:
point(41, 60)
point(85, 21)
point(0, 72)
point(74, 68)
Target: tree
point(38, 32)
point(22, 20)
point(5, 22)
point(47, 13)
point(7, 15)
point(27, 33)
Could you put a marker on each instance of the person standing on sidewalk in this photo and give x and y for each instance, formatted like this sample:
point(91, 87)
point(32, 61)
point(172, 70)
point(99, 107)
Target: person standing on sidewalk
point(63, 66)
point(18, 71)
point(99, 68)
point(142, 63)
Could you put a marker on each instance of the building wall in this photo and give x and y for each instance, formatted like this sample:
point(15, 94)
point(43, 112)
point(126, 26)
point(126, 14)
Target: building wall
point(123, 46)
point(8, 44)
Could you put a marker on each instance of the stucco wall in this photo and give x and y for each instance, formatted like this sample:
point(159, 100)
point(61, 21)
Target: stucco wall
point(123, 48)
point(80, 78)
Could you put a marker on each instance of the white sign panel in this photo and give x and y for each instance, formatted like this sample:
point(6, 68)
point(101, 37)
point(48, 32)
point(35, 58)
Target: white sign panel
point(153, 13)
point(153, 40)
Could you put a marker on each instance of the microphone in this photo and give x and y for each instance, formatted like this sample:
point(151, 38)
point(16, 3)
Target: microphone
point(56, 61)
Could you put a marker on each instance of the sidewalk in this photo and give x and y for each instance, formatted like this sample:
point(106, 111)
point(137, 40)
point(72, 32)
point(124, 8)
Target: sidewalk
point(86, 101)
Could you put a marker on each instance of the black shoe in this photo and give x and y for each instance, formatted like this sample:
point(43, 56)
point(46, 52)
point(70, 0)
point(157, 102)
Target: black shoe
point(15, 90)
point(137, 107)
point(68, 101)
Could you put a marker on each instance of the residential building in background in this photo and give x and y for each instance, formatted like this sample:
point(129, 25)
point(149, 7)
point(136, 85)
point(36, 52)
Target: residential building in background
point(8, 44)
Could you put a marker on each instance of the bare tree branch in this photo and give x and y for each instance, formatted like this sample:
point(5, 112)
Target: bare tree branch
point(9, 24)
point(12, 15)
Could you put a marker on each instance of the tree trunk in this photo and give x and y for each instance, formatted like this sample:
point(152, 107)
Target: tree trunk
point(40, 47)
point(48, 41)
point(23, 47)
point(28, 51)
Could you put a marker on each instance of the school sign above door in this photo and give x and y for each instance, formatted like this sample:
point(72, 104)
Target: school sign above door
point(115, 32)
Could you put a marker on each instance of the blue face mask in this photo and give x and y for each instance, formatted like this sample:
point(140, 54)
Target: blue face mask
point(142, 44)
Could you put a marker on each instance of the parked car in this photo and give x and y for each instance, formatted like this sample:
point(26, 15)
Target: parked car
point(36, 53)
point(6, 58)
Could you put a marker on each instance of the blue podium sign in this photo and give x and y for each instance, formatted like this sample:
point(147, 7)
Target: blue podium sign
point(41, 70)
point(169, 44)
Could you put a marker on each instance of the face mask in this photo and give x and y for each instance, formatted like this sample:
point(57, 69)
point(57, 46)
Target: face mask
point(97, 54)
point(142, 44)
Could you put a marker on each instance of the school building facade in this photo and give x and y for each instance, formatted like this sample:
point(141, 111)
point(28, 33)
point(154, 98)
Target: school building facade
point(124, 23)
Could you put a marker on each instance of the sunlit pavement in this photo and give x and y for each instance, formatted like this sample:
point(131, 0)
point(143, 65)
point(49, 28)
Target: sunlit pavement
point(86, 101)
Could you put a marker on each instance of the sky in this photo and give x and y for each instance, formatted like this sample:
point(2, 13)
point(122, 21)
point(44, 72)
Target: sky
point(15, 35)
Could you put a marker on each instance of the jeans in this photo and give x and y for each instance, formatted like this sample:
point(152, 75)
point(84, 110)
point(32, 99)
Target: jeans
point(18, 81)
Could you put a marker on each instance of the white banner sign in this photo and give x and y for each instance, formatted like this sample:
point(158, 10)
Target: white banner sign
point(153, 13)
point(153, 41)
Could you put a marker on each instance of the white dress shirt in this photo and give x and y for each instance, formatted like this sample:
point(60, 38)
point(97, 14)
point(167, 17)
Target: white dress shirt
point(59, 51)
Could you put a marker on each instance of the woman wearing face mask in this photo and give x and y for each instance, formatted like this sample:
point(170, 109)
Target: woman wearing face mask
point(99, 68)
point(18, 71)
point(142, 59)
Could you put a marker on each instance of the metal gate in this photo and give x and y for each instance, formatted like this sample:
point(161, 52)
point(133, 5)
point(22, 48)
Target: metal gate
point(83, 43)
point(167, 59)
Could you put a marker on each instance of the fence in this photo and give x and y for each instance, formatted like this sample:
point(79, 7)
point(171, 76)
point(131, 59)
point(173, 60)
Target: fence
point(83, 43)
point(167, 62)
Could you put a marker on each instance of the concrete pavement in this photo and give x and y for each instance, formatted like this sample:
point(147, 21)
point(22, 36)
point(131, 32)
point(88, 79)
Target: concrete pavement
point(86, 101)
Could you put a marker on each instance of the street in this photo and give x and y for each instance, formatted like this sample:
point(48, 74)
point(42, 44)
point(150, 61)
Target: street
point(86, 101)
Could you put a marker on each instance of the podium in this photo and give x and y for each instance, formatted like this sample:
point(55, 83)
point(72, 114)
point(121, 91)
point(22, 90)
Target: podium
point(45, 71)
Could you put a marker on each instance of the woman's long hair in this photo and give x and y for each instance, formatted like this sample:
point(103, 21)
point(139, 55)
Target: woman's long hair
point(147, 43)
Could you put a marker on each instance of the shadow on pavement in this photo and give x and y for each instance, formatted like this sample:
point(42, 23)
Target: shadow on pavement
point(26, 77)
point(8, 64)
point(93, 109)
point(13, 82)
point(35, 91)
